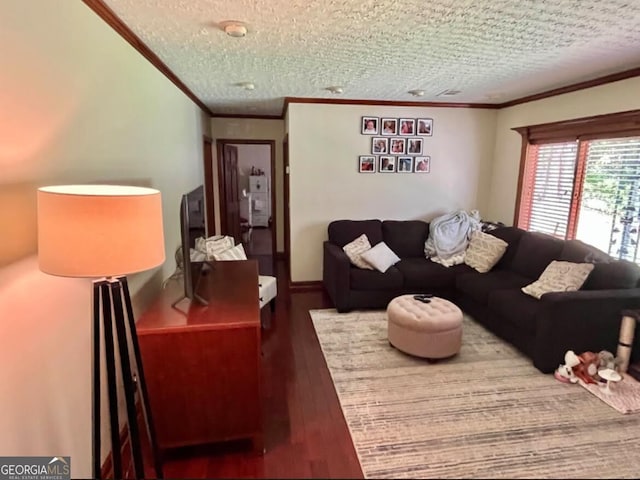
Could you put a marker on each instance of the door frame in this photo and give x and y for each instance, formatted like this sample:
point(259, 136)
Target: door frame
point(207, 155)
point(285, 206)
point(220, 143)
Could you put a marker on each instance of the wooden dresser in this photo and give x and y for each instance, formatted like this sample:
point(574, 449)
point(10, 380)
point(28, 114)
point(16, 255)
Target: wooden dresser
point(202, 367)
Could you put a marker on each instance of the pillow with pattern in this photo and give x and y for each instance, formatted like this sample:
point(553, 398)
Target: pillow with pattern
point(355, 249)
point(484, 251)
point(559, 277)
point(235, 253)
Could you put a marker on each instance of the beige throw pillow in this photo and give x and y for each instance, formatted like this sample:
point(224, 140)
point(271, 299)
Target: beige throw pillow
point(355, 249)
point(559, 277)
point(484, 251)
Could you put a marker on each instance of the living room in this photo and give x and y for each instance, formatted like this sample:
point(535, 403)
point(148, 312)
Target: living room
point(81, 105)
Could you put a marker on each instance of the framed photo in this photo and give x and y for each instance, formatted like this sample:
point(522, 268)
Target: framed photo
point(379, 145)
point(405, 164)
point(369, 125)
point(367, 164)
point(422, 165)
point(389, 126)
point(425, 127)
point(387, 164)
point(407, 126)
point(397, 146)
point(414, 146)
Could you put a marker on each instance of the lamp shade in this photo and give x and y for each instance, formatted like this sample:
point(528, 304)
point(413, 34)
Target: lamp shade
point(99, 230)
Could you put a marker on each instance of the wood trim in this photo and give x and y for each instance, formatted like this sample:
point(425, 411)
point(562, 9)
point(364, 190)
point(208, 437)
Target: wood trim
point(281, 256)
point(106, 471)
point(595, 126)
point(109, 16)
point(306, 286)
point(578, 186)
point(234, 115)
point(222, 194)
point(388, 103)
point(208, 184)
point(596, 82)
point(523, 163)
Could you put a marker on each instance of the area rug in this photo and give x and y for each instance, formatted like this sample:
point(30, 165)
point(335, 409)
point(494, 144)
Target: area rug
point(486, 413)
point(625, 396)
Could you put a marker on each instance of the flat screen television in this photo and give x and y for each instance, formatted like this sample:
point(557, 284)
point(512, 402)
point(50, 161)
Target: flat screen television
point(192, 226)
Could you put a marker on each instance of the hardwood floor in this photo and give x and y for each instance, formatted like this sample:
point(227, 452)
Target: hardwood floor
point(304, 429)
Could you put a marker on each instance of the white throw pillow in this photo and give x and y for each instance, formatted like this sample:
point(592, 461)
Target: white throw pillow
point(559, 277)
point(381, 257)
point(484, 251)
point(235, 253)
point(355, 249)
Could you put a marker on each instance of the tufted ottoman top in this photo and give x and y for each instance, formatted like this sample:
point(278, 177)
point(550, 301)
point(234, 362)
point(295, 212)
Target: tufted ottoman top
point(437, 316)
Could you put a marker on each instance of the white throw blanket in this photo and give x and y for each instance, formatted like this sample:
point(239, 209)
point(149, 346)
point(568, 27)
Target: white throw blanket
point(449, 236)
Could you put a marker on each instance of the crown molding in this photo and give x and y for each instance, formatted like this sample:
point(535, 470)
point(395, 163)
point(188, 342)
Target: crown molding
point(596, 82)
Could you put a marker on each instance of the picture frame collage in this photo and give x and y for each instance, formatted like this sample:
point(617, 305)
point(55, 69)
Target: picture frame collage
point(397, 145)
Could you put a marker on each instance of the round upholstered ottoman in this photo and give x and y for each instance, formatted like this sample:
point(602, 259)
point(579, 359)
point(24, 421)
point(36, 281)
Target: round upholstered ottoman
point(429, 330)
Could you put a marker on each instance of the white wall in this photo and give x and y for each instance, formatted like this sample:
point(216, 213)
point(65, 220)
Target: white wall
point(77, 105)
point(252, 129)
point(324, 146)
point(610, 98)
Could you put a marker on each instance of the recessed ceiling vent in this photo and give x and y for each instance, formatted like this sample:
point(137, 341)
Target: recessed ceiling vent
point(449, 93)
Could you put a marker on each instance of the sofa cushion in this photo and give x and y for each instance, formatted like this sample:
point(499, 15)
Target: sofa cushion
point(613, 275)
point(478, 286)
point(374, 280)
point(421, 273)
point(579, 252)
point(535, 251)
point(516, 307)
point(355, 249)
point(380, 257)
point(406, 238)
point(512, 236)
point(559, 276)
point(342, 232)
point(484, 251)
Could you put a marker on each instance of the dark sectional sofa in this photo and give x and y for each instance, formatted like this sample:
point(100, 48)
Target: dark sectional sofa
point(544, 329)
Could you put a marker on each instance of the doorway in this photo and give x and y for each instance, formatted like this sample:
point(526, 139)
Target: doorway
point(246, 180)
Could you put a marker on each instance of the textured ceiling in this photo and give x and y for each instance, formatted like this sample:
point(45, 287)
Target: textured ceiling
point(492, 51)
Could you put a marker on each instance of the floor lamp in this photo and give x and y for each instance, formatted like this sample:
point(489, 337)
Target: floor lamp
point(105, 232)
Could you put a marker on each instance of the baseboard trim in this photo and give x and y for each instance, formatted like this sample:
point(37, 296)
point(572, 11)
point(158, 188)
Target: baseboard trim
point(306, 286)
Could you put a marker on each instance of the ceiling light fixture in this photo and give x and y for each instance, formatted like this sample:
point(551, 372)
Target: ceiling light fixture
point(416, 93)
point(335, 89)
point(246, 85)
point(234, 28)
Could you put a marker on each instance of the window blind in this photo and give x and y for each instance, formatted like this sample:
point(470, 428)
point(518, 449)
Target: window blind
point(548, 184)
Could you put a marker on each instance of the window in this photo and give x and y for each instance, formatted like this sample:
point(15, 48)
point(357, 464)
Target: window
point(581, 179)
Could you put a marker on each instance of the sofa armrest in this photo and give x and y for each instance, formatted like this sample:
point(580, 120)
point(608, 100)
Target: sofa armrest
point(585, 320)
point(335, 275)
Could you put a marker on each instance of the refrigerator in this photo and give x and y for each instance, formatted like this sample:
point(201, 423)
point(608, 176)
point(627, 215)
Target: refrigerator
point(260, 191)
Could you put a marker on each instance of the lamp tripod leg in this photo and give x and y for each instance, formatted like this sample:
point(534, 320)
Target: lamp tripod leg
point(116, 454)
point(95, 385)
point(127, 379)
point(151, 432)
